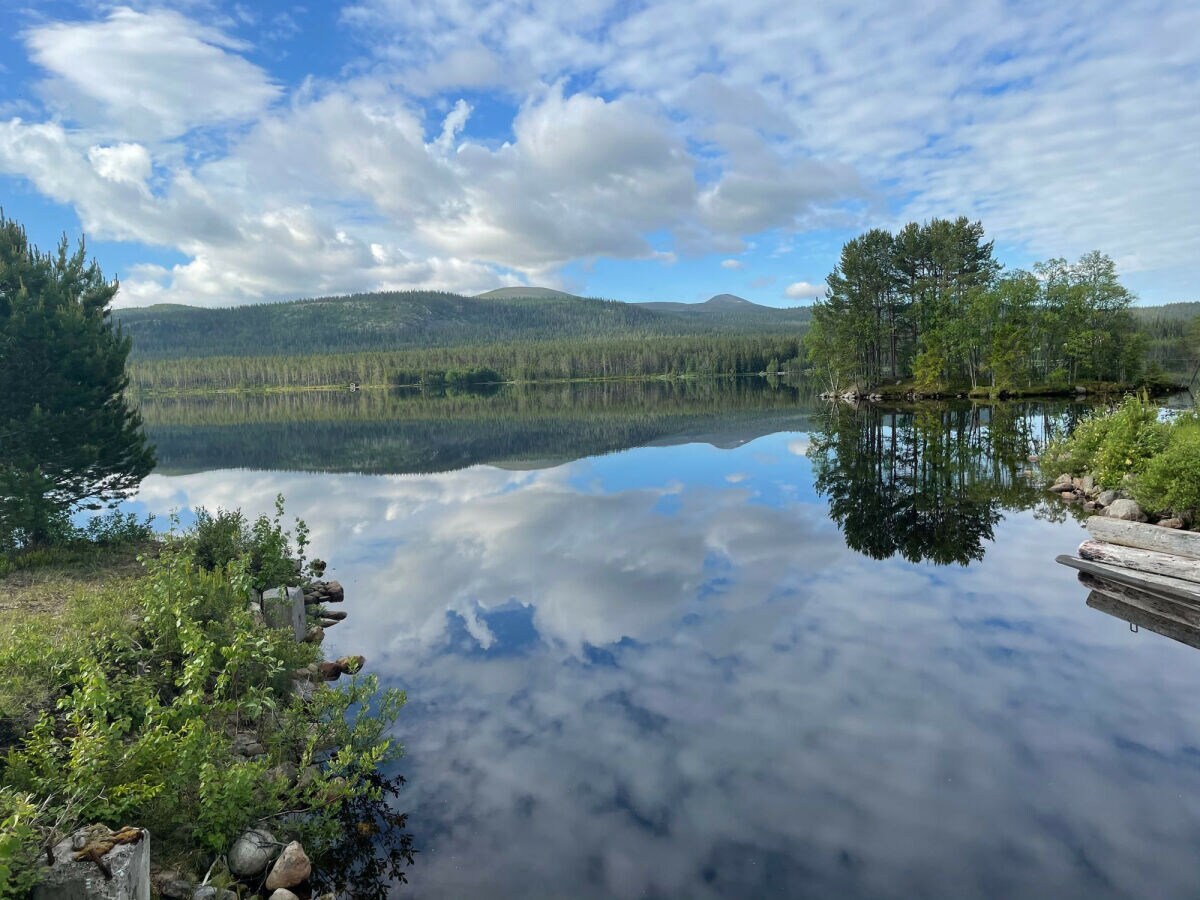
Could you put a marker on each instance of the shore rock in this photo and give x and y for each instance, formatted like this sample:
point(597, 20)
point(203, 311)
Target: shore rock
point(290, 869)
point(1106, 498)
point(176, 889)
point(252, 853)
point(283, 894)
point(315, 635)
point(208, 892)
point(351, 664)
point(1125, 509)
point(1171, 523)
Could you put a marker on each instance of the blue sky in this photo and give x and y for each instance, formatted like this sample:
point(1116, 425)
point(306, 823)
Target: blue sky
point(219, 153)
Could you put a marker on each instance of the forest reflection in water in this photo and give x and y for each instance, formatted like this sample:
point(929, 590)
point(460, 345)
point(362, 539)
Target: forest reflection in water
point(930, 482)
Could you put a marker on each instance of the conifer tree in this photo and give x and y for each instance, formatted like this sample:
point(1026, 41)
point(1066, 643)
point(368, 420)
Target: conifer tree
point(68, 438)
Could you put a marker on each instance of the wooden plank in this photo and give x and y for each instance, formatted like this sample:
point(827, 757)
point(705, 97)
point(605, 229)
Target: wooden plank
point(1171, 588)
point(1145, 537)
point(1183, 613)
point(1142, 619)
point(1142, 560)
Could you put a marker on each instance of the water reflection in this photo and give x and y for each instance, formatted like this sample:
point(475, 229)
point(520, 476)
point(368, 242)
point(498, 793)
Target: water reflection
point(930, 482)
point(663, 672)
point(411, 430)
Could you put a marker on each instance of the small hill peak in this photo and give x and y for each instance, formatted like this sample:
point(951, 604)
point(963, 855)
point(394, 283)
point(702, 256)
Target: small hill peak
point(728, 300)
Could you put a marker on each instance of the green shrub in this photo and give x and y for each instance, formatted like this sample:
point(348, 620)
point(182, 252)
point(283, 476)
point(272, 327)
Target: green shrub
point(1109, 446)
point(20, 844)
point(134, 695)
point(1170, 480)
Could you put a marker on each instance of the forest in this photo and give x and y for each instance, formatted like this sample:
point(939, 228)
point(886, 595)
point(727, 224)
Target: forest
point(395, 320)
point(711, 354)
point(930, 304)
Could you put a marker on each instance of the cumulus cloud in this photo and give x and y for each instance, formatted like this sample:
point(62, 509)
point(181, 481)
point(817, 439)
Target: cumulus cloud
point(802, 290)
point(731, 264)
point(152, 74)
point(650, 132)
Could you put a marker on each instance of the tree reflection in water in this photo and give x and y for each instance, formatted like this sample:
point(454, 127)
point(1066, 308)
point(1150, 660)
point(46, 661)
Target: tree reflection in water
point(930, 482)
point(376, 850)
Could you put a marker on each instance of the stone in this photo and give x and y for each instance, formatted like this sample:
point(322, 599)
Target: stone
point(283, 894)
point(71, 879)
point(327, 623)
point(304, 689)
point(1064, 478)
point(1106, 498)
point(247, 744)
point(1087, 484)
point(336, 614)
point(330, 671)
point(315, 635)
point(285, 772)
point(208, 892)
point(1090, 506)
point(1171, 523)
point(290, 869)
point(1064, 487)
point(252, 853)
point(176, 889)
point(1080, 389)
point(351, 664)
point(283, 607)
point(1125, 509)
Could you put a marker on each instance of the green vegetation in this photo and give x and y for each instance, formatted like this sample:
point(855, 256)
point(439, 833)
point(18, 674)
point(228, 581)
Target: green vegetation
point(1134, 448)
point(1172, 339)
point(419, 319)
point(929, 304)
point(68, 439)
point(717, 354)
point(125, 702)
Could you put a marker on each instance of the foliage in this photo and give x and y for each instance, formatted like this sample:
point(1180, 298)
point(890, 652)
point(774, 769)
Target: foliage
point(68, 439)
point(136, 694)
point(929, 303)
point(218, 540)
point(1131, 446)
point(1170, 480)
point(1109, 445)
point(20, 840)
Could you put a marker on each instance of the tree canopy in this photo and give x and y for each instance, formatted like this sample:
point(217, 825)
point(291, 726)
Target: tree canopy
point(68, 439)
point(930, 303)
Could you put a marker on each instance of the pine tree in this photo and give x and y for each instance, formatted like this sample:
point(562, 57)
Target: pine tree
point(68, 438)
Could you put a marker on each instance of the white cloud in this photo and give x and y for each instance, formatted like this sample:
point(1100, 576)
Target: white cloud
point(699, 124)
point(802, 290)
point(147, 74)
point(732, 264)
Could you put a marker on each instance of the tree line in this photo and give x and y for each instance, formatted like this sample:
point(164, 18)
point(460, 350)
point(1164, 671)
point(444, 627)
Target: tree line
point(930, 304)
point(712, 354)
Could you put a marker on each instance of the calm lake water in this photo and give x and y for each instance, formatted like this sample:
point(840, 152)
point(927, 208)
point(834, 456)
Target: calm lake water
point(713, 640)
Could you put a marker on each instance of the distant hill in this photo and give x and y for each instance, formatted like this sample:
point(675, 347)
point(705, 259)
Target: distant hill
point(510, 293)
point(396, 320)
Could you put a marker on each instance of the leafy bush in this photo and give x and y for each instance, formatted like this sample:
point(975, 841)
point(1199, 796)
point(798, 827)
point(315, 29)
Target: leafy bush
point(1171, 479)
point(20, 844)
point(218, 540)
point(1109, 446)
point(136, 695)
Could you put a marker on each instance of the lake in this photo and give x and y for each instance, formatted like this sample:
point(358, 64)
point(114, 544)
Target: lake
point(717, 639)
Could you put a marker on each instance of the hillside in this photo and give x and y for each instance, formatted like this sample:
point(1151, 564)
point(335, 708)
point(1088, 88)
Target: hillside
point(410, 319)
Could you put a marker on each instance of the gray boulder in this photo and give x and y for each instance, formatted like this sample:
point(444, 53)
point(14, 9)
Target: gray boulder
point(252, 853)
point(1106, 498)
point(1125, 509)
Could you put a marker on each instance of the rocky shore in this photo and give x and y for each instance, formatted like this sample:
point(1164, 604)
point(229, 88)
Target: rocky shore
point(1115, 504)
point(909, 393)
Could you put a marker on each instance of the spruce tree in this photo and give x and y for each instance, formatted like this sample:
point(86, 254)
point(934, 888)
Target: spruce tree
point(68, 438)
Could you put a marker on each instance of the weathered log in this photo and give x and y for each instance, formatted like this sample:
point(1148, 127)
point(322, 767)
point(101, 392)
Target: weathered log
point(1171, 588)
point(1145, 537)
point(1142, 560)
point(1183, 613)
point(1173, 630)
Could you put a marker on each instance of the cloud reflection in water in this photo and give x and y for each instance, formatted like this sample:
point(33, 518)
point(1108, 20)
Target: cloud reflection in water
point(617, 696)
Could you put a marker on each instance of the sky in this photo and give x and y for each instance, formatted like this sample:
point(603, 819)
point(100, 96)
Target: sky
point(219, 153)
